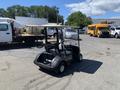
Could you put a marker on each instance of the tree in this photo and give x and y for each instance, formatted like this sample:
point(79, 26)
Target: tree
point(51, 13)
point(2, 12)
point(17, 10)
point(78, 19)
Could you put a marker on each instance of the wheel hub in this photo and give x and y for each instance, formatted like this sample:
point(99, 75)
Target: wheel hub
point(62, 68)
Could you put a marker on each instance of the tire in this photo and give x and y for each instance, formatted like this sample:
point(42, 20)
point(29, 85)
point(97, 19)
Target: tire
point(99, 36)
point(50, 36)
point(116, 35)
point(80, 58)
point(91, 35)
point(30, 41)
point(54, 35)
point(61, 68)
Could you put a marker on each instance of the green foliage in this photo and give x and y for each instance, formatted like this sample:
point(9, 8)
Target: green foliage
point(51, 13)
point(78, 19)
point(2, 13)
point(17, 10)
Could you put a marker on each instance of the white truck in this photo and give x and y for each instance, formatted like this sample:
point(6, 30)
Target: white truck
point(115, 31)
point(8, 34)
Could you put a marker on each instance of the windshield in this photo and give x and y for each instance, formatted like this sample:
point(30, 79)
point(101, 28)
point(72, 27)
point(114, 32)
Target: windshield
point(70, 30)
point(103, 28)
point(118, 28)
point(3, 27)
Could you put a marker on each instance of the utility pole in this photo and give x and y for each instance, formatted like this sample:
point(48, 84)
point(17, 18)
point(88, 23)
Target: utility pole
point(15, 14)
point(57, 12)
point(47, 17)
point(57, 19)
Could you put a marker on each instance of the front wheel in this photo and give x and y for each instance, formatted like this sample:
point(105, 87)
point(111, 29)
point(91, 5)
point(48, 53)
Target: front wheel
point(116, 35)
point(99, 36)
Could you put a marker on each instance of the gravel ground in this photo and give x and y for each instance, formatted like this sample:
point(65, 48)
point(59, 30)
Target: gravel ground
point(100, 69)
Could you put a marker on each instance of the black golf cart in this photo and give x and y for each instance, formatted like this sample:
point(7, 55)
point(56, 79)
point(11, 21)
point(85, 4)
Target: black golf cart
point(57, 56)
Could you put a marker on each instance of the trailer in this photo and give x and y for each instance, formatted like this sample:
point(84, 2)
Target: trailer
point(9, 33)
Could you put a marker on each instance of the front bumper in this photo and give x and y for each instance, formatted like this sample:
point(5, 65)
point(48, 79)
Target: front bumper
point(45, 66)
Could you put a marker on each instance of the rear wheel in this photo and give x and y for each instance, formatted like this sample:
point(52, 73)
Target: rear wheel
point(54, 35)
point(30, 41)
point(80, 57)
point(91, 35)
point(61, 68)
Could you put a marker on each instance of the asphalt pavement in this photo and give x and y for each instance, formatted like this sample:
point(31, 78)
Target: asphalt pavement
point(100, 69)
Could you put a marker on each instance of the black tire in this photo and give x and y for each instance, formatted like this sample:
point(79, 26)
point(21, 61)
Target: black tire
point(80, 58)
point(50, 36)
point(61, 68)
point(116, 35)
point(99, 36)
point(54, 35)
point(29, 41)
point(91, 35)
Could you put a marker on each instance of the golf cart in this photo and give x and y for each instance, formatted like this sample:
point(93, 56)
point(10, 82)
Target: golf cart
point(57, 56)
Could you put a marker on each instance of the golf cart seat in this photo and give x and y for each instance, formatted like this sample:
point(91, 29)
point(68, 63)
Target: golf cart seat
point(49, 47)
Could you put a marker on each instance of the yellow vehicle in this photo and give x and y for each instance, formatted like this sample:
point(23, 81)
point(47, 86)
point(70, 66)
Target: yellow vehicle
point(98, 30)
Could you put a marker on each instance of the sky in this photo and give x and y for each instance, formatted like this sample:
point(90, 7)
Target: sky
point(92, 8)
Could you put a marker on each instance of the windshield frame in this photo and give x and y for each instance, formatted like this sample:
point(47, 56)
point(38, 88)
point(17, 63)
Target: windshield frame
point(103, 28)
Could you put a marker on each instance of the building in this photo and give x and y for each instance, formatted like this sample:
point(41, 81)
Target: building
point(113, 21)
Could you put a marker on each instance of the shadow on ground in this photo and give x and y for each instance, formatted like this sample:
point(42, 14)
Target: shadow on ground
point(86, 66)
point(20, 45)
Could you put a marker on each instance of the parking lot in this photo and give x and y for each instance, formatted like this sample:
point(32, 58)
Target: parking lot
point(100, 69)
